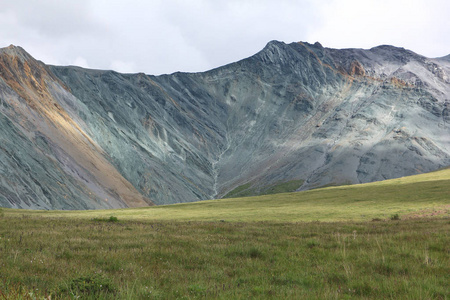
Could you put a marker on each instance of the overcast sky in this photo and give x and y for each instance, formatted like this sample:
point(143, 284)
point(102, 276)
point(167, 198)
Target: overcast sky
point(165, 36)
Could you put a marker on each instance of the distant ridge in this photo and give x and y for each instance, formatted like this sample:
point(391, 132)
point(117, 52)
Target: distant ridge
point(447, 57)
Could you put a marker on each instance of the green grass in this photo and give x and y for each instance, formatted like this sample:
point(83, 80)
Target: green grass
point(244, 190)
point(405, 259)
point(374, 241)
point(247, 189)
point(283, 187)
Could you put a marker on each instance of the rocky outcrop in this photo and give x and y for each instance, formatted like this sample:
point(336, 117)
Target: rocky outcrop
point(356, 69)
point(72, 137)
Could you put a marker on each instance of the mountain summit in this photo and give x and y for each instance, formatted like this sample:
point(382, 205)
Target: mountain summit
point(297, 115)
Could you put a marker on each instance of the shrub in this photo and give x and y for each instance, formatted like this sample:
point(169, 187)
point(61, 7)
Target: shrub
point(255, 253)
point(197, 290)
point(312, 243)
point(89, 285)
point(111, 219)
point(395, 217)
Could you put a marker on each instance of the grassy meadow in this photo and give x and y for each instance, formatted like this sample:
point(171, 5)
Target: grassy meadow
point(386, 239)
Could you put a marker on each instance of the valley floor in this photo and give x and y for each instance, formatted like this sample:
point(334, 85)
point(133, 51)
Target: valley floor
point(115, 259)
point(381, 240)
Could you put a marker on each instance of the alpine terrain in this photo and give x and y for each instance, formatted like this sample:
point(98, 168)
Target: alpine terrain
point(292, 117)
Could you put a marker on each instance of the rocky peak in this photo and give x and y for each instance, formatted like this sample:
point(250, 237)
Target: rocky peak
point(15, 52)
point(273, 52)
point(19, 69)
point(318, 45)
point(396, 54)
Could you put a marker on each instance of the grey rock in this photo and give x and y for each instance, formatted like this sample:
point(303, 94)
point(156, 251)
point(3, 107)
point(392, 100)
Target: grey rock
point(292, 111)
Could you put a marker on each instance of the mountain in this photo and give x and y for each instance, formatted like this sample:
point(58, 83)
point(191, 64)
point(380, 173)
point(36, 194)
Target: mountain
point(293, 115)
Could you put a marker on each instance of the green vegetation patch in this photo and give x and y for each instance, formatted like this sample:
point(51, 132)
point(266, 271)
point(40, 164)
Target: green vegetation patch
point(111, 219)
point(244, 190)
point(89, 286)
point(248, 189)
point(283, 187)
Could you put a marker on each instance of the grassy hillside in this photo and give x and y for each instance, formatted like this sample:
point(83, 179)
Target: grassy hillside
point(247, 189)
point(193, 251)
point(425, 194)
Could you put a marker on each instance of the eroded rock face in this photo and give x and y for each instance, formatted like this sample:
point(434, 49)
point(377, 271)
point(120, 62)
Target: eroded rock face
point(72, 137)
point(47, 158)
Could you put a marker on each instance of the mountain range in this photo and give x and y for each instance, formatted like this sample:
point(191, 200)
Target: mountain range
point(291, 117)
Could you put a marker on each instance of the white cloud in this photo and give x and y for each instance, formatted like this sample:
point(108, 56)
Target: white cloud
point(123, 67)
point(81, 62)
point(419, 25)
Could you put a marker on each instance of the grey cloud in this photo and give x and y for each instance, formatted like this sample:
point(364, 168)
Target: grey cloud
point(173, 35)
point(225, 31)
point(53, 18)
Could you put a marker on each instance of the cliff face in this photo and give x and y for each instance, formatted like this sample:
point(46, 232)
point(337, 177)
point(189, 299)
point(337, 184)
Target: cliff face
point(72, 138)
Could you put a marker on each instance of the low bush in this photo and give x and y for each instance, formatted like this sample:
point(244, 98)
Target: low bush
point(111, 219)
point(93, 285)
point(395, 217)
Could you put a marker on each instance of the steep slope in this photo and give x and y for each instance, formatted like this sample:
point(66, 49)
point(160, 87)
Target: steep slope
point(47, 159)
point(291, 112)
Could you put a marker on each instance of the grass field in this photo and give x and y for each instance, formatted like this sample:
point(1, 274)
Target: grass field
point(381, 240)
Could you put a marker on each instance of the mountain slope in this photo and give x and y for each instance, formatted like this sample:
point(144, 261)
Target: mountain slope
point(47, 160)
point(291, 112)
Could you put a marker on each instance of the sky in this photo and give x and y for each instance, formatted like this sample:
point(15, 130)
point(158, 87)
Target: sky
point(165, 36)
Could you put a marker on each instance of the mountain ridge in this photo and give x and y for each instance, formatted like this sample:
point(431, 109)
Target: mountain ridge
point(294, 111)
